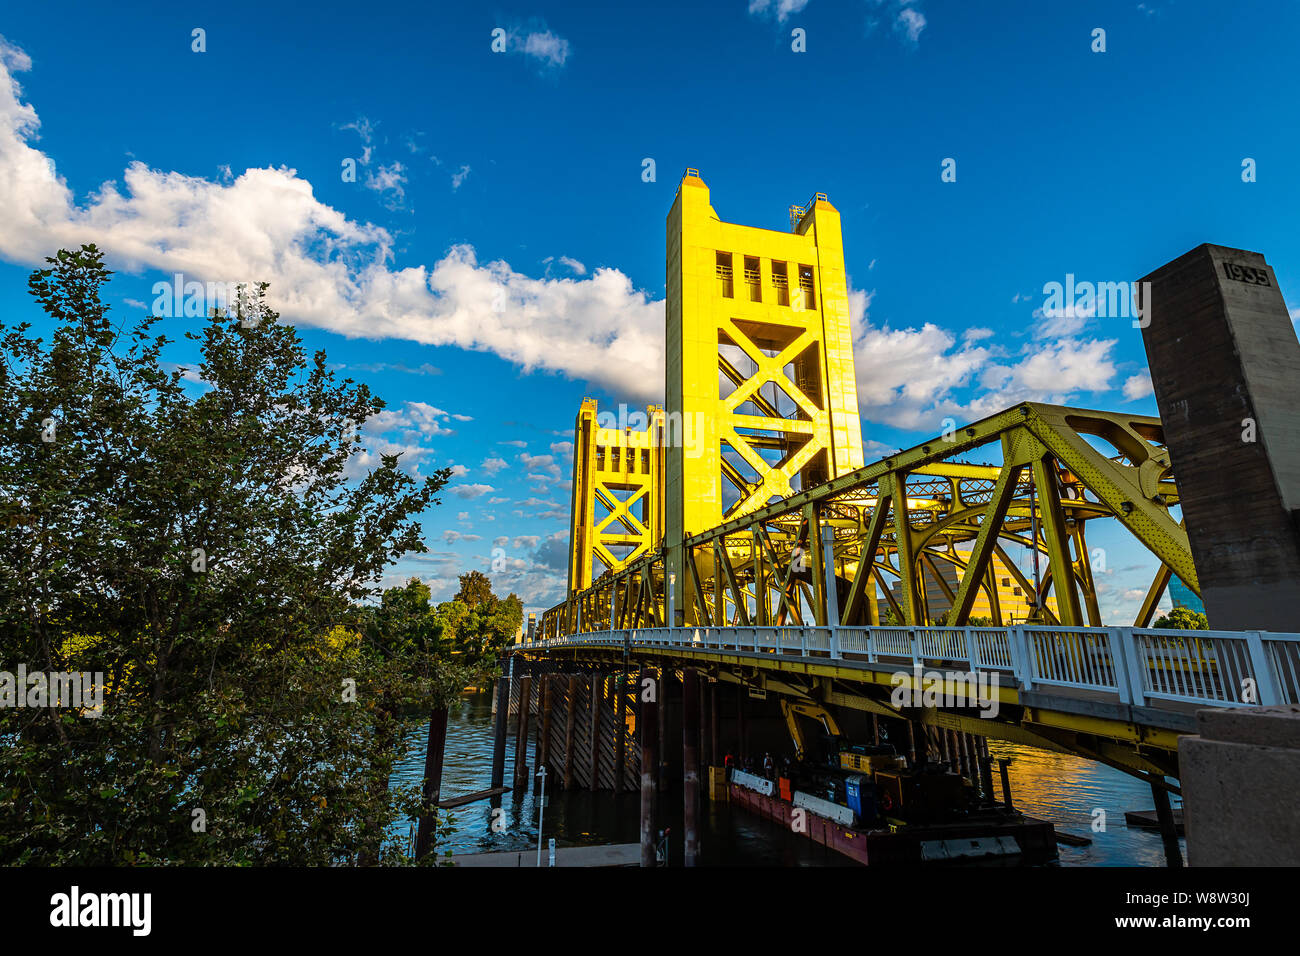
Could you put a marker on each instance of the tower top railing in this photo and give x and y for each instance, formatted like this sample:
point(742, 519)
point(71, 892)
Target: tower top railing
point(798, 212)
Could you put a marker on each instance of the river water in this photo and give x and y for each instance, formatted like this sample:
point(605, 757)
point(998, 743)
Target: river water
point(1065, 790)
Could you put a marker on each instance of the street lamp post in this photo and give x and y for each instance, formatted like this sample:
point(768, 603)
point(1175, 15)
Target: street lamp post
point(541, 811)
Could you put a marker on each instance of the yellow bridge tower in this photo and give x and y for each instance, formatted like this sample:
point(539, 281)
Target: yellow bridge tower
point(760, 387)
point(616, 514)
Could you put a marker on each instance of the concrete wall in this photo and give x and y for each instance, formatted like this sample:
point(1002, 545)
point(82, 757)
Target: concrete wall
point(1241, 787)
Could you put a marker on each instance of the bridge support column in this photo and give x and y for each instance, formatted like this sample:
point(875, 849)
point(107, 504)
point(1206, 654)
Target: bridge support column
point(521, 733)
point(648, 728)
point(690, 764)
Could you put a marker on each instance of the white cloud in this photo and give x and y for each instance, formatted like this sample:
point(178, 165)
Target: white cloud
point(574, 265)
point(471, 491)
point(459, 177)
point(914, 378)
point(492, 465)
point(389, 182)
point(547, 46)
point(906, 16)
point(1138, 386)
point(452, 536)
point(562, 447)
point(544, 463)
point(325, 269)
point(459, 471)
point(781, 9)
point(415, 418)
point(910, 22)
point(536, 41)
point(1060, 323)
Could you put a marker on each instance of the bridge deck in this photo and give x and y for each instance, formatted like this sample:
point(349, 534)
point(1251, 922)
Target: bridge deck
point(1138, 686)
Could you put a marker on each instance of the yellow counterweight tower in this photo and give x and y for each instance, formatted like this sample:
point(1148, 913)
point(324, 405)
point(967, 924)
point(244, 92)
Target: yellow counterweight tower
point(616, 514)
point(761, 394)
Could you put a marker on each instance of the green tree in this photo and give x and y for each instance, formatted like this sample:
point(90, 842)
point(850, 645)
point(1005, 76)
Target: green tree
point(475, 589)
point(201, 553)
point(1183, 619)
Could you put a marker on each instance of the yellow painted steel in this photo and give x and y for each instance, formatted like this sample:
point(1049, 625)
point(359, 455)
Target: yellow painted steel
point(616, 511)
point(760, 379)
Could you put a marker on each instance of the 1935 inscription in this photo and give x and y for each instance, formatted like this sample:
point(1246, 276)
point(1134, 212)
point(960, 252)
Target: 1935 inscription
point(1245, 273)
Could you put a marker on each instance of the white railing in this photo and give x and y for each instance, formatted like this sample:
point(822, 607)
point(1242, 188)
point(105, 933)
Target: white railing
point(1141, 666)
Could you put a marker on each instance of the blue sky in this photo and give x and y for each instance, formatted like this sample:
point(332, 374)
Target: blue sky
point(499, 255)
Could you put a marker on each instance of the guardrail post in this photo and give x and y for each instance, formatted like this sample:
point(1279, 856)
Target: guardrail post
point(1263, 669)
point(1122, 651)
point(914, 641)
point(971, 657)
point(1021, 657)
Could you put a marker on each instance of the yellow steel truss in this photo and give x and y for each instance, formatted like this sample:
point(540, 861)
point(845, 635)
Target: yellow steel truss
point(1059, 469)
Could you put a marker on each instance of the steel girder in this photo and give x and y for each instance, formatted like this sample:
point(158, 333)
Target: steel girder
point(1059, 469)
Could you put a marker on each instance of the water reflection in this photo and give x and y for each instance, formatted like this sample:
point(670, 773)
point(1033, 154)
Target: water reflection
point(1066, 790)
point(1055, 787)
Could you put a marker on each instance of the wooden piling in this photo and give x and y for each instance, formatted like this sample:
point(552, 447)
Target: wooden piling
point(1006, 782)
point(715, 749)
point(620, 741)
point(741, 742)
point(544, 743)
point(593, 735)
point(569, 755)
point(1168, 829)
point(432, 789)
point(499, 731)
point(661, 714)
point(521, 733)
point(648, 727)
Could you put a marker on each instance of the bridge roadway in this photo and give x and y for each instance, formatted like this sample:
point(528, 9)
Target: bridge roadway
point(1119, 695)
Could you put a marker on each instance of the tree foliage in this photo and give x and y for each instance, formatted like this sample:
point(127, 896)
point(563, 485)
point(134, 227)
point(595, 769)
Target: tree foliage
point(207, 555)
point(1183, 619)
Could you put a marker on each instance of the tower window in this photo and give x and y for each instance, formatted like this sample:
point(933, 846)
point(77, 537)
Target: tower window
point(781, 282)
point(724, 274)
point(806, 286)
point(753, 279)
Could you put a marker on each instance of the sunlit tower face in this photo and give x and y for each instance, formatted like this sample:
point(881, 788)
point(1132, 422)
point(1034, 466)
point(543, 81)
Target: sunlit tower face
point(761, 394)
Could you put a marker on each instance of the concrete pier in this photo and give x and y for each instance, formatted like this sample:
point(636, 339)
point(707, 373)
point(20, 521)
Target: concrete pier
point(1240, 777)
